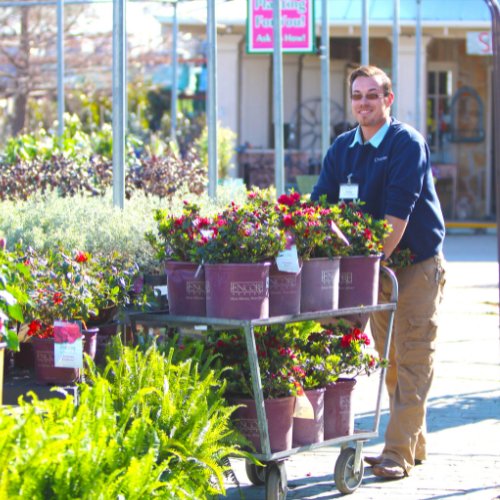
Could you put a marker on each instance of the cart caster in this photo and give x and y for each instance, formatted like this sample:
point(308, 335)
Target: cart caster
point(255, 473)
point(276, 487)
point(345, 479)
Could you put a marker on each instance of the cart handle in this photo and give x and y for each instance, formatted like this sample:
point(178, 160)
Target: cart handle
point(392, 275)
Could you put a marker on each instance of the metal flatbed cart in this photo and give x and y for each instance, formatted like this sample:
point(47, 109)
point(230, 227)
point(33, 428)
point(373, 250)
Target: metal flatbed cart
point(349, 467)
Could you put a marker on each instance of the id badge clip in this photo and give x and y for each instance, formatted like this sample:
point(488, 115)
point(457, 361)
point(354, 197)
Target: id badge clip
point(349, 191)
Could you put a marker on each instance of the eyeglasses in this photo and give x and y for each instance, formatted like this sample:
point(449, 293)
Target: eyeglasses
point(371, 96)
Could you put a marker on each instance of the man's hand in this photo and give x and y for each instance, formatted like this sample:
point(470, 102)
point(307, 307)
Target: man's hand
point(398, 229)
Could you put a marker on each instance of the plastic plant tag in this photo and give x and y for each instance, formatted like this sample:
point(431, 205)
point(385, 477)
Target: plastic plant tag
point(288, 259)
point(303, 407)
point(339, 233)
point(162, 290)
point(68, 345)
point(199, 268)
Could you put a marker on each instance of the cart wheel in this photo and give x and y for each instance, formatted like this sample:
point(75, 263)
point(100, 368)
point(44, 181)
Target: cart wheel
point(275, 490)
point(255, 473)
point(345, 480)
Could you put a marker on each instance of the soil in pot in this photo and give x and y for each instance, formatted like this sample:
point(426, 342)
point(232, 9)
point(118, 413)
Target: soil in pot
point(339, 411)
point(320, 285)
point(186, 289)
point(359, 277)
point(309, 431)
point(284, 292)
point(279, 414)
point(237, 291)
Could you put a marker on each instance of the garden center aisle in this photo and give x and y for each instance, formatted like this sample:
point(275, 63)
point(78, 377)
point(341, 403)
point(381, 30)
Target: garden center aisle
point(464, 404)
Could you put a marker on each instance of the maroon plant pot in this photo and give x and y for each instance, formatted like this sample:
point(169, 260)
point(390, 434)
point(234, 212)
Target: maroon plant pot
point(105, 315)
point(284, 292)
point(104, 337)
point(339, 411)
point(308, 431)
point(186, 293)
point(359, 277)
point(45, 371)
point(90, 342)
point(279, 414)
point(320, 285)
point(238, 291)
point(25, 357)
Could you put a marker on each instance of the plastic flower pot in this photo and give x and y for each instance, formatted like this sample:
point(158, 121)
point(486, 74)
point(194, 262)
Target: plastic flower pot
point(45, 371)
point(106, 314)
point(25, 357)
point(359, 276)
point(238, 291)
point(308, 431)
point(339, 412)
point(284, 292)
point(279, 414)
point(186, 291)
point(103, 338)
point(320, 285)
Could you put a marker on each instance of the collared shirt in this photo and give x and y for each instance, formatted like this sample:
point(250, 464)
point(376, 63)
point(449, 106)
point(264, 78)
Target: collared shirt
point(375, 140)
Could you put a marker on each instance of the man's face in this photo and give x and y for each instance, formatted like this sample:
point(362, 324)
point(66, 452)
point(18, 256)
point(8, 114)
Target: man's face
point(367, 112)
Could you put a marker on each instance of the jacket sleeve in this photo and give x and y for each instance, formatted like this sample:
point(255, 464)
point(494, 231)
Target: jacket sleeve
point(408, 163)
point(327, 182)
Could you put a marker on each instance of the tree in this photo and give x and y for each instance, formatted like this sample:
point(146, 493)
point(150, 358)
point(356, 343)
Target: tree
point(28, 41)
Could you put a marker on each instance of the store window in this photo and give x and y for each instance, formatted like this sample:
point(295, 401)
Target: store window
point(439, 94)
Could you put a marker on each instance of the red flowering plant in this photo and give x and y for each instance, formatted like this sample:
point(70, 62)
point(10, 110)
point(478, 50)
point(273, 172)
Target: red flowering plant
point(278, 355)
point(350, 344)
point(366, 235)
point(241, 234)
point(178, 236)
point(313, 225)
point(70, 286)
point(400, 258)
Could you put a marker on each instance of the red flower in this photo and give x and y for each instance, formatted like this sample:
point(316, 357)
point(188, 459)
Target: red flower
point(58, 298)
point(252, 195)
point(346, 341)
point(368, 234)
point(412, 256)
point(81, 257)
point(287, 219)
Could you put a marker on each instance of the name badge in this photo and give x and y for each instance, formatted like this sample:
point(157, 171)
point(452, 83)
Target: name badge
point(349, 191)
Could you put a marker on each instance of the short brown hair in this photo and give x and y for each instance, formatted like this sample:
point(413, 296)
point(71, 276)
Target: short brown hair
point(370, 71)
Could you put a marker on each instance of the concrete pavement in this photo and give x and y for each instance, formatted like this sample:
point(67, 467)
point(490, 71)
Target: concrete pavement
point(464, 404)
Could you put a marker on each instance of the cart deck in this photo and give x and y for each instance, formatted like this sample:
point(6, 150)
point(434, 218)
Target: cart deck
point(349, 467)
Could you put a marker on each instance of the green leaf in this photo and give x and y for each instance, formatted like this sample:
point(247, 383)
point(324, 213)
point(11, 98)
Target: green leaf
point(15, 312)
point(12, 340)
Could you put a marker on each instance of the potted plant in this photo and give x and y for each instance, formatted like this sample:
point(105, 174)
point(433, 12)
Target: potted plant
point(179, 238)
point(349, 344)
point(280, 377)
point(12, 298)
point(237, 249)
point(66, 287)
point(360, 265)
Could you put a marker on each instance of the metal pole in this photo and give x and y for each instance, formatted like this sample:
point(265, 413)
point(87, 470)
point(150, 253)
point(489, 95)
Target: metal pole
point(60, 67)
point(325, 79)
point(365, 47)
point(212, 98)
point(395, 58)
point(279, 164)
point(173, 104)
point(418, 41)
point(119, 101)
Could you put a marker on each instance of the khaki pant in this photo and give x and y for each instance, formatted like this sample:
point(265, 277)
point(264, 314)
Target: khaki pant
point(411, 358)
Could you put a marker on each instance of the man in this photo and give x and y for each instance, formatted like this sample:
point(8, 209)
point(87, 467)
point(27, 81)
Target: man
point(386, 164)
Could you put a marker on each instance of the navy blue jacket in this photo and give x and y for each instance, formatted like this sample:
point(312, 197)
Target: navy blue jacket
point(394, 179)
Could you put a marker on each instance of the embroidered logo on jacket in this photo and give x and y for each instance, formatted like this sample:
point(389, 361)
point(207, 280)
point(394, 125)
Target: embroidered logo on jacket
point(382, 158)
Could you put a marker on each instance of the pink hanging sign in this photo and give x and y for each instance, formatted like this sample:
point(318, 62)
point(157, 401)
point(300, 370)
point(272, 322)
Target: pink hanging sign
point(297, 26)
